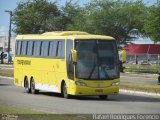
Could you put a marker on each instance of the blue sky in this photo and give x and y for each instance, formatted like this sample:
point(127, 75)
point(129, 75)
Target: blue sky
point(11, 5)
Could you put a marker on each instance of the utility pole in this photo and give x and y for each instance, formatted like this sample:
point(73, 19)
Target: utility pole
point(9, 34)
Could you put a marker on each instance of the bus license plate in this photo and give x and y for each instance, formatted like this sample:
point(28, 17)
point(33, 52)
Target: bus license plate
point(98, 90)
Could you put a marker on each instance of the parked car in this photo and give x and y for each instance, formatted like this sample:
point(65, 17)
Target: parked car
point(145, 63)
point(6, 57)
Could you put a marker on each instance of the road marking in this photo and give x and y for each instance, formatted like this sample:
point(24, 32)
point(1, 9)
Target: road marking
point(7, 68)
point(11, 78)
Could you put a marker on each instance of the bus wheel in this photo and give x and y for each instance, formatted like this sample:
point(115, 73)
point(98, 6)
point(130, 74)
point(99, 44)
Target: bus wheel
point(26, 85)
point(103, 97)
point(64, 91)
point(33, 90)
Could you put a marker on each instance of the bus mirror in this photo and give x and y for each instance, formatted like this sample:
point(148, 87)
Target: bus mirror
point(122, 55)
point(74, 55)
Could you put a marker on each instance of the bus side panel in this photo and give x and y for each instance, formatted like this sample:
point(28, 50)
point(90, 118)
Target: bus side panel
point(18, 73)
point(60, 72)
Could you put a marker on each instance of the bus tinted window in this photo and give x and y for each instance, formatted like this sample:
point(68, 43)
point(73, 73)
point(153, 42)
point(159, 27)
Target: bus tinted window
point(60, 52)
point(37, 48)
point(24, 48)
point(70, 67)
point(18, 47)
point(30, 48)
point(44, 49)
point(52, 49)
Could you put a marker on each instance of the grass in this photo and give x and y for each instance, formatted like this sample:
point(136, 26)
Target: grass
point(7, 109)
point(6, 73)
point(142, 68)
point(57, 117)
point(20, 113)
point(151, 88)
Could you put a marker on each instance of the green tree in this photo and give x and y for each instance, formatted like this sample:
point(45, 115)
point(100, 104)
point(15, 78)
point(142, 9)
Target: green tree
point(69, 11)
point(115, 18)
point(152, 23)
point(32, 16)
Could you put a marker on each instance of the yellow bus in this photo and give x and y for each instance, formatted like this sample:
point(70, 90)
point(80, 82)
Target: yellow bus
point(68, 62)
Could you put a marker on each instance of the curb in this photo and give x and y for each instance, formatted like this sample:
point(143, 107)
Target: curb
point(139, 93)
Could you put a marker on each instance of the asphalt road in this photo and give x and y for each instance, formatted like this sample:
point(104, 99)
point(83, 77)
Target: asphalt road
point(53, 103)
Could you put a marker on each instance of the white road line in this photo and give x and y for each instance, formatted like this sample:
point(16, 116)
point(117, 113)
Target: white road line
point(11, 78)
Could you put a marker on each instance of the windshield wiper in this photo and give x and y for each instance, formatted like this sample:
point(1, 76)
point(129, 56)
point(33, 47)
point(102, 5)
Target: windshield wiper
point(92, 71)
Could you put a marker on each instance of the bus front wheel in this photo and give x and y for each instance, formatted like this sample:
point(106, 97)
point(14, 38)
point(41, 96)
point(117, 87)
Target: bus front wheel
point(64, 91)
point(103, 97)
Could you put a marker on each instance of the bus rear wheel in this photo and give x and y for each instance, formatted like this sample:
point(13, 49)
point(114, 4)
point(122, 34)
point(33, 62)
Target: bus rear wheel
point(64, 91)
point(103, 97)
point(26, 85)
point(33, 90)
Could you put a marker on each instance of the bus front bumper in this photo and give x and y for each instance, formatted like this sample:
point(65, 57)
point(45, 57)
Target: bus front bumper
point(84, 90)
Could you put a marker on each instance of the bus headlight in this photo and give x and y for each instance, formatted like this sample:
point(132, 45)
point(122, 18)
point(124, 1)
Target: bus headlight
point(115, 84)
point(80, 83)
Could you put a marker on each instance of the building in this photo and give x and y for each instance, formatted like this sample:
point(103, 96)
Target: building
point(4, 44)
point(143, 53)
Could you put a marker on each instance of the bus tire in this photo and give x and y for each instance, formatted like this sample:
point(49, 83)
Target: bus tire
point(103, 97)
point(32, 86)
point(26, 85)
point(64, 91)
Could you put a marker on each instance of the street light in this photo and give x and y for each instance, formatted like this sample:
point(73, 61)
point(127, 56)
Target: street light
point(9, 34)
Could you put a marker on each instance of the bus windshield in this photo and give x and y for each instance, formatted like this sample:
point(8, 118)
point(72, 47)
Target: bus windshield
point(97, 59)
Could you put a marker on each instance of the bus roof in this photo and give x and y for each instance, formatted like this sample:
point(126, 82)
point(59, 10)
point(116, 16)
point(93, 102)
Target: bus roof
point(63, 35)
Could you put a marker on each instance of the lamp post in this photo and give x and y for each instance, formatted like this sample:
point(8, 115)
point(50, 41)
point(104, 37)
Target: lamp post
point(9, 34)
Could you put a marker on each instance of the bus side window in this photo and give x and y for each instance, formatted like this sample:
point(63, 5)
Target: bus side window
point(52, 48)
point(24, 48)
point(16, 47)
point(60, 49)
point(30, 48)
point(37, 48)
point(44, 48)
point(70, 67)
point(18, 51)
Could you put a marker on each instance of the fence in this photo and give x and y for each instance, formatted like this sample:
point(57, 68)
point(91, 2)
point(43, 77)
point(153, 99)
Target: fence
point(148, 59)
